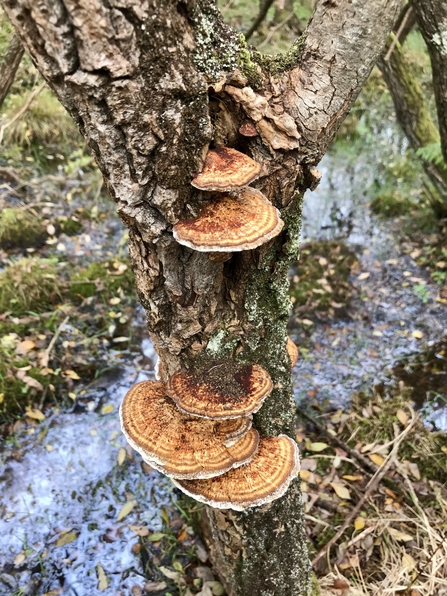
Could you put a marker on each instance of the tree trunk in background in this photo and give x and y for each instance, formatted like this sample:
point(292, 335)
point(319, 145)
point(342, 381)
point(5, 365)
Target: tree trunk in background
point(9, 65)
point(151, 85)
point(412, 113)
point(431, 18)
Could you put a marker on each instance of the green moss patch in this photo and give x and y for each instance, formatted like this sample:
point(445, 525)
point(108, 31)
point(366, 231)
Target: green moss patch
point(19, 228)
point(105, 277)
point(320, 284)
point(29, 284)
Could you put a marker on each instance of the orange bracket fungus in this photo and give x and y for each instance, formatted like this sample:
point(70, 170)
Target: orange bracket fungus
point(221, 390)
point(293, 351)
point(226, 169)
point(231, 223)
point(266, 478)
point(183, 446)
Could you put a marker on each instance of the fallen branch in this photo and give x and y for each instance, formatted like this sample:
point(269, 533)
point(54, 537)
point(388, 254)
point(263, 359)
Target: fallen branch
point(46, 355)
point(361, 459)
point(371, 486)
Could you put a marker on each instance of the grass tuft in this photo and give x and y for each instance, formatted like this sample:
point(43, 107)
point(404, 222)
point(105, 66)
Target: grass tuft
point(29, 284)
point(19, 228)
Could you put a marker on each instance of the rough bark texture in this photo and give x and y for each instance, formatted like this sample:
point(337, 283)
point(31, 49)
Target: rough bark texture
point(412, 112)
point(431, 17)
point(152, 84)
point(9, 65)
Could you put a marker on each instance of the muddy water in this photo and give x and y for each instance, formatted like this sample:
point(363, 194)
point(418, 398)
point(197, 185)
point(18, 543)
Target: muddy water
point(361, 351)
point(60, 482)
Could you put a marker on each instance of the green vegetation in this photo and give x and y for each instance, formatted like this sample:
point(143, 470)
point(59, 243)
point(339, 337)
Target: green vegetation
point(373, 419)
point(20, 228)
point(105, 277)
point(29, 284)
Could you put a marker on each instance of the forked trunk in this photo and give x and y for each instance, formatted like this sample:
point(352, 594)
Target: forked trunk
point(152, 85)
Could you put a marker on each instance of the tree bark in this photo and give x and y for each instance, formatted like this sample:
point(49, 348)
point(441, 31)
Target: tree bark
point(9, 65)
point(412, 112)
point(431, 18)
point(152, 85)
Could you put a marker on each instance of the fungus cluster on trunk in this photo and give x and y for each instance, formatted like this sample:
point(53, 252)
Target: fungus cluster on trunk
point(196, 426)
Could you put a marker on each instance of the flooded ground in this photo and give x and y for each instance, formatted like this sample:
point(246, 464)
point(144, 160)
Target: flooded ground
point(75, 501)
point(394, 314)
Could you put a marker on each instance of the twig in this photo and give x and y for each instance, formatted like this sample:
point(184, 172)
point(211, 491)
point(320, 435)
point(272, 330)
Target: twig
point(261, 16)
point(46, 355)
point(366, 464)
point(22, 110)
point(372, 484)
point(398, 33)
point(273, 30)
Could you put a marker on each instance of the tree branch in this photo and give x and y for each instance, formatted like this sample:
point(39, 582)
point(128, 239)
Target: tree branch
point(9, 65)
point(431, 18)
point(261, 16)
point(341, 45)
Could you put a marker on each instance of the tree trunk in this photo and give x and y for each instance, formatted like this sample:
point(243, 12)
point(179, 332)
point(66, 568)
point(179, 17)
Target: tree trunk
point(431, 18)
point(9, 66)
point(412, 113)
point(152, 85)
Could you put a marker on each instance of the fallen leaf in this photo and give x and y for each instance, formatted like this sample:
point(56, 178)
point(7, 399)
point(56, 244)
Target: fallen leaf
point(2, 397)
point(114, 301)
point(102, 578)
point(307, 322)
point(107, 409)
point(359, 523)
point(340, 584)
point(26, 345)
point(305, 475)
point(71, 374)
point(121, 456)
point(352, 478)
point(49, 447)
point(156, 537)
point(170, 574)
point(66, 538)
point(51, 230)
point(341, 490)
point(376, 458)
point(398, 535)
point(151, 587)
point(377, 333)
point(441, 264)
point(182, 536)
point(19, 559)
point(140, 530)
point(22, 376)
point(417, 334)
point(60, 247)
point(317, 447)
point(126, 509)
point(364, 275)
point(408, 561)
point(35, 414)
point(402, 416)
point(217, 588)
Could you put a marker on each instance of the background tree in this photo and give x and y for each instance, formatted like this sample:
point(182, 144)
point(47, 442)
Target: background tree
point(152, 86)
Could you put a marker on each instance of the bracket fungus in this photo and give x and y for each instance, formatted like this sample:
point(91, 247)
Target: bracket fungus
point(221, 390)
point(229, 223)
point(293, 351)
point(266, 478)
point(226, 169)
point(182, 446)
